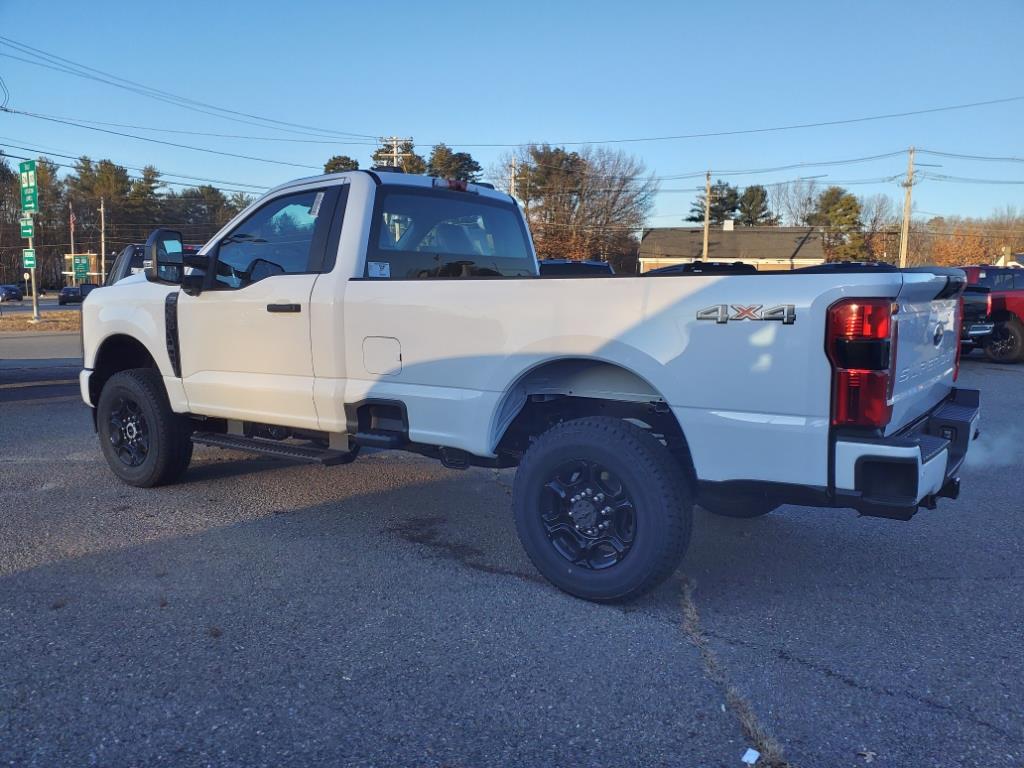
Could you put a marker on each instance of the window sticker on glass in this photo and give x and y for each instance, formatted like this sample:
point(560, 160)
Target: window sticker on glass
point(314, 211)
point(378, 269)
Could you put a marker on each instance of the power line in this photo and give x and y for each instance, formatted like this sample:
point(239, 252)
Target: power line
point(330, 141)
point(967, 180)
point(772, 129)
point(66, 156)
point(82, 70)
point(130, 176)
point(984, 158)
point(161, 141)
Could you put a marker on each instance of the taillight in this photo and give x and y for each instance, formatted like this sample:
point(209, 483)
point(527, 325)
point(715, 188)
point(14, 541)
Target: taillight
point(988, 306)
point(860, 341)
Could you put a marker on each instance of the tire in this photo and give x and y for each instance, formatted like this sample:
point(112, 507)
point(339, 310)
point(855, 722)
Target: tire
point(1006, 342)
point(739, 508)
point(597, 553)
point(61, 302)
point(144, 442)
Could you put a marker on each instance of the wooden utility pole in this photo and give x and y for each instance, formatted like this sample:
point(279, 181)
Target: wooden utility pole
point(707, 213)
point(512, 179)
point(905, 233)
point(103, 243)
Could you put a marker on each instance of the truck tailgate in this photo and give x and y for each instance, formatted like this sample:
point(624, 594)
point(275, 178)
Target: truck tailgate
point(928, 338)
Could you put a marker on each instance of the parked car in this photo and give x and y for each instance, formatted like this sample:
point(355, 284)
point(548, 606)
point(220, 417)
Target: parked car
point(399, 311)
point(704, 268)
point(1005, 344)
point(574, 268)
point(10, 293)
point(75, 294)
point(975, 325)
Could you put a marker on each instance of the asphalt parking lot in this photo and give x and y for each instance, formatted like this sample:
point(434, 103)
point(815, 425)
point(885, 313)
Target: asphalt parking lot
point(264, 613)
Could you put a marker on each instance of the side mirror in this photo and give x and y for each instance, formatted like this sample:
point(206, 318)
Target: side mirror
point(164, 254)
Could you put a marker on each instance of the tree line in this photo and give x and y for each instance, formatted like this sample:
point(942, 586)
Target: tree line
point(134, 206)
point(580, 204)
point(865, 228)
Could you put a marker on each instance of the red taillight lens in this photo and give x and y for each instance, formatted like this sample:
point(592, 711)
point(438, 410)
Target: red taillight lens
point(861, 345)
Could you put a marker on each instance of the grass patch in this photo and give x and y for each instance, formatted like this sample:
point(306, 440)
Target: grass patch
point(48, 321)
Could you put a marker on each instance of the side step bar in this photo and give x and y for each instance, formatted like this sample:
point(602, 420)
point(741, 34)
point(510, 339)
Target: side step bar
point(324, 456)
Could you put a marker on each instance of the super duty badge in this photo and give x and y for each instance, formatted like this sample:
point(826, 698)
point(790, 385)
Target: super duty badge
point(720, 313)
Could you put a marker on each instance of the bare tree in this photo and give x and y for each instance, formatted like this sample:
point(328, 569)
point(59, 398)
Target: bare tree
point(580, 204)
point(880, 222)
point(795, 200)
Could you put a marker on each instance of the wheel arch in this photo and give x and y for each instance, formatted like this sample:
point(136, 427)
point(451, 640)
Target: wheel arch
point(116, 353)
point(557, 389)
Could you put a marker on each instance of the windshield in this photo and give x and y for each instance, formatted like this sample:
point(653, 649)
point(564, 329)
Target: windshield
point(420, 234)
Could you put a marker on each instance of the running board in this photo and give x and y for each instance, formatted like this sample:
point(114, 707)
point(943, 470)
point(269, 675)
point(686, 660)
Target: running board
point(323, 456)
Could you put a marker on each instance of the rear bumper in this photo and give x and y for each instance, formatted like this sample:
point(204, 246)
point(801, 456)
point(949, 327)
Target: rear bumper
point(894, 476)
point(974, 331)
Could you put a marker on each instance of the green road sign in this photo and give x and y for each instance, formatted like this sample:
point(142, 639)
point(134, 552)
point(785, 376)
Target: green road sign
point(81, 266)
point(28, 258)
point(27, 230)
point(29, 189)
point(29, 200)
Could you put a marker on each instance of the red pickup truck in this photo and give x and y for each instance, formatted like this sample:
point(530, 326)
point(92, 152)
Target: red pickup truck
point(1006, 310)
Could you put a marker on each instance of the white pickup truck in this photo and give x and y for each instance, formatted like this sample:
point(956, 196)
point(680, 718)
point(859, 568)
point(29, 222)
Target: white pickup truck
point(394, 311)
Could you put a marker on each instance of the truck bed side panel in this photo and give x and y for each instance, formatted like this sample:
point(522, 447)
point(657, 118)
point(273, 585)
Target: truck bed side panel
point(753, 396)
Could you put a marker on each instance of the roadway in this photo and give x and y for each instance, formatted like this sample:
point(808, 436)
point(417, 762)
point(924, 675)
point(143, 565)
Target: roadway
point(383, 613)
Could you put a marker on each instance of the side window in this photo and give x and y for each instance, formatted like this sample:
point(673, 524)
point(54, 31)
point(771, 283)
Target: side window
point(276, 239)
point(438, 234)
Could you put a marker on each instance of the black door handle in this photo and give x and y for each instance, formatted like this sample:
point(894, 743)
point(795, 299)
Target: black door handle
point(284, 307)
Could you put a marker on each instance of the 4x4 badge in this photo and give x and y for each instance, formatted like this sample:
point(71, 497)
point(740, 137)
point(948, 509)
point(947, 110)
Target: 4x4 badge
point(784, 313)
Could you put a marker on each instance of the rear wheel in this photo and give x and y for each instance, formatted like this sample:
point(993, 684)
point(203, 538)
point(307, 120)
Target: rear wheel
point(602, 509)
point(1006, 342)
point(144, 441)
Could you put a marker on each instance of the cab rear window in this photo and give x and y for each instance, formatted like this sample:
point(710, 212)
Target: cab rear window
point(430, 234)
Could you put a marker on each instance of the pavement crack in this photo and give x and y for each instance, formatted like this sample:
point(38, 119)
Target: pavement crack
point(852, 682)
point(754, 731)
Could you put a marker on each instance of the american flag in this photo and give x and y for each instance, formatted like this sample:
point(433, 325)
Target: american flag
point(72, 219)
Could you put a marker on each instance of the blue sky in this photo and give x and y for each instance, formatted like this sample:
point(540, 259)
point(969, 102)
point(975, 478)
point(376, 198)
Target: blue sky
point(478, 73)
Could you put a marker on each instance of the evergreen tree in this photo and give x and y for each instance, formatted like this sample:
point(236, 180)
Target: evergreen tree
point(725, 200)
point(340, 163)
point(753, 208)
point(446, 164)
point(837, 213)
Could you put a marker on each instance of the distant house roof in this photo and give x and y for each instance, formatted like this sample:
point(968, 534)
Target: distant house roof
point(732, 245)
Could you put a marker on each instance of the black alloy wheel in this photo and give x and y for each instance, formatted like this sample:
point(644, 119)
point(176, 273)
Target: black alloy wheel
point(588, 515)
point(603, 508)
point(129, 432)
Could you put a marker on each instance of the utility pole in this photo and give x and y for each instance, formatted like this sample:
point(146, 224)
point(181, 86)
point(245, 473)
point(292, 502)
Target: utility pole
point(512, 179)
point(707, 213)
point(71, 226)
point(103, 243)
point(905, 233)
point(395, 156)
point(35, 291)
